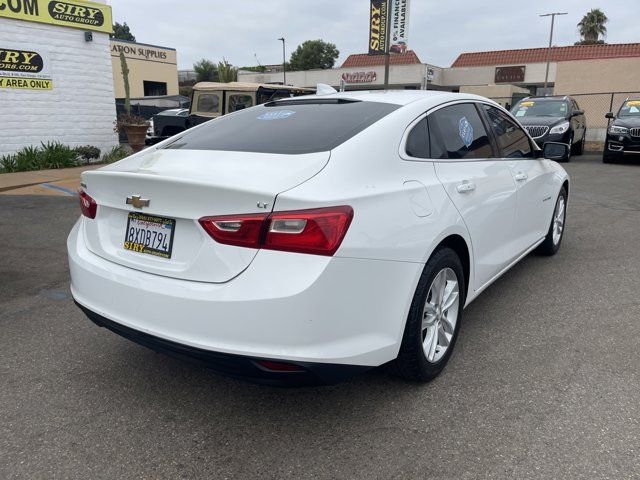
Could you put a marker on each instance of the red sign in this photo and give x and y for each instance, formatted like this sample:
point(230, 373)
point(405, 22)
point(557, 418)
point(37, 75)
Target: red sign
point(360, 77)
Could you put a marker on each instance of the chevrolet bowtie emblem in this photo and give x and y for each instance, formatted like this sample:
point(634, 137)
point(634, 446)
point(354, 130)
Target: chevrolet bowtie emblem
point(137, 201)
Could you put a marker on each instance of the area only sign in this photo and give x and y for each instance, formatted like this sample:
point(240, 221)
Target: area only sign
point(25, 66)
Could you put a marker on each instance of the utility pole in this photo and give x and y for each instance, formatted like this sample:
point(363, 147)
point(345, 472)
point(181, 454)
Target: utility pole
point(284, 63)
point(386, 50)
point(553, 17)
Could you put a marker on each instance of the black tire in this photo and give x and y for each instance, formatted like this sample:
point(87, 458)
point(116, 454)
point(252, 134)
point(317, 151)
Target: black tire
point(579, 149)
point(568, 159)
point(549, 246)
point(412, 363)
point(606, 158)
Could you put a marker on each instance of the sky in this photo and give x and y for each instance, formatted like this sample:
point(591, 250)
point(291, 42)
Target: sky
point(245, 32)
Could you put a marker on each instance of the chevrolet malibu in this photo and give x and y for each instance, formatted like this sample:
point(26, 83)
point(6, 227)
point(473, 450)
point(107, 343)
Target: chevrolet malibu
point(308, 239)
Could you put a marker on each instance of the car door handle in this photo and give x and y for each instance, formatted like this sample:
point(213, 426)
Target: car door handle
point(521, 177)
point(466, 187)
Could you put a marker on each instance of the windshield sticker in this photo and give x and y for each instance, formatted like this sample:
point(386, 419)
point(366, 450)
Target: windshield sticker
point(465, 130)
point(527, 104)
point(277, 115)
point(633, 103)
point(521, 112)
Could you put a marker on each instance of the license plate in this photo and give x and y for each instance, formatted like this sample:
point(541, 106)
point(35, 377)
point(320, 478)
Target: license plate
point(149, 234)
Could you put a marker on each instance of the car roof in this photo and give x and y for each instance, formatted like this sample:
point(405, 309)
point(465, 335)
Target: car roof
point(245, 87)
point(397, 97)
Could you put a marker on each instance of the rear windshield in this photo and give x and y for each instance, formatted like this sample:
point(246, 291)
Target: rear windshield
point(289, 127)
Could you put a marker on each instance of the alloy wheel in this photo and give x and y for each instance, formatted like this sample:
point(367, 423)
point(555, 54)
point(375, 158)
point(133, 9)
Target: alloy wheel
point(558, 220)
point(440, 314)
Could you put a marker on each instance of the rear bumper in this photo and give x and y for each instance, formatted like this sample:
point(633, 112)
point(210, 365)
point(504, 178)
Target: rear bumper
point(291, 307)
point(236, 366)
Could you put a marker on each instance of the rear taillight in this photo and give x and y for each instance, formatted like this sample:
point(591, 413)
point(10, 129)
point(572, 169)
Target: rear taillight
point(87, 204)
point(238, 230)
point(317, 231)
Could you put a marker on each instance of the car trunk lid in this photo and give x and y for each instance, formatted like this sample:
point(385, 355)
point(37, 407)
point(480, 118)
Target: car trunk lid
point(182, 186)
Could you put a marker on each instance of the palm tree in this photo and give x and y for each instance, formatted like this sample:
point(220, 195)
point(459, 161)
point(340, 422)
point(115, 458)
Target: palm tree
point(592, 26)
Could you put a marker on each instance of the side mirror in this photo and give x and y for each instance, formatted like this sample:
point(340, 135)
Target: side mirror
point(610, 115)
point(576, 113)
point(555, 151)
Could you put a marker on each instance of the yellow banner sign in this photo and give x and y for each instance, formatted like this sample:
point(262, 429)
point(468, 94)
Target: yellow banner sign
point(25, 83)
point(74, 14)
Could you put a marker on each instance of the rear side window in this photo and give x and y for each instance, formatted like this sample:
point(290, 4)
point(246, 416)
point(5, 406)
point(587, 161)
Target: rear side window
point(457, 132)
point(208, 103)
point(288, 127)
point(512, 141)
point(417, 145)
point(239, 102)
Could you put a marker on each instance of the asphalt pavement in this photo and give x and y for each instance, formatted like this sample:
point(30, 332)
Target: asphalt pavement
point(544, 381)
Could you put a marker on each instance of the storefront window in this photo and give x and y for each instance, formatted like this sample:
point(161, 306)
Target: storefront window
point(154, 89)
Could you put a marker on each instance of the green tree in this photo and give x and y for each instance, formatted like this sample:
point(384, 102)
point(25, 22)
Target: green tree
point(258, 68)
point(592, 26)
point(313, 54)
point(122, 32)
point(205, 70)
point(227, 72)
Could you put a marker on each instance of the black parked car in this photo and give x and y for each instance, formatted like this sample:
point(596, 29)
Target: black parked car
point(168, 123)
point(623, 135)
point(553, 119)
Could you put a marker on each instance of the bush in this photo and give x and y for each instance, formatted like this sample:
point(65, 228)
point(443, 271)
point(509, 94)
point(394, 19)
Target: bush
point(57, 155)
point(47, 155)
point(115, 154)
point(87, 152)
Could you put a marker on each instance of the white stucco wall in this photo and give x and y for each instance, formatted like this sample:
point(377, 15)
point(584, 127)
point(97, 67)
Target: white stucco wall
point(79, 110)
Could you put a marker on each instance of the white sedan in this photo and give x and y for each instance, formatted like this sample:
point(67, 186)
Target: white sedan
point(308, 239)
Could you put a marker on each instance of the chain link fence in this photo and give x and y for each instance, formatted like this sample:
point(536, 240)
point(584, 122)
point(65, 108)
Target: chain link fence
point(595, 106)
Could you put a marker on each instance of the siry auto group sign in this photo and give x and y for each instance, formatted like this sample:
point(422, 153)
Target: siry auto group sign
point(25, 68)
point(388, 26)
point(378, 26)
point(74, 14)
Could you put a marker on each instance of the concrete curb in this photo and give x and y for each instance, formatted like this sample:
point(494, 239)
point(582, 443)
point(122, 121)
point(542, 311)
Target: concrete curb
point(13, 181)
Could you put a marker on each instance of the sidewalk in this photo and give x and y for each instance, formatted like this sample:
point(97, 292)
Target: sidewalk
point(64, 181)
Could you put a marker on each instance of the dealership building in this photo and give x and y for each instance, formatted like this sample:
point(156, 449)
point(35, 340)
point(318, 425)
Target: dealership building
point(55, 74)
point(60, 74)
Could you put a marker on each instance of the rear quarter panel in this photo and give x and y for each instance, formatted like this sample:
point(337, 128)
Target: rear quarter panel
point(368, 174)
